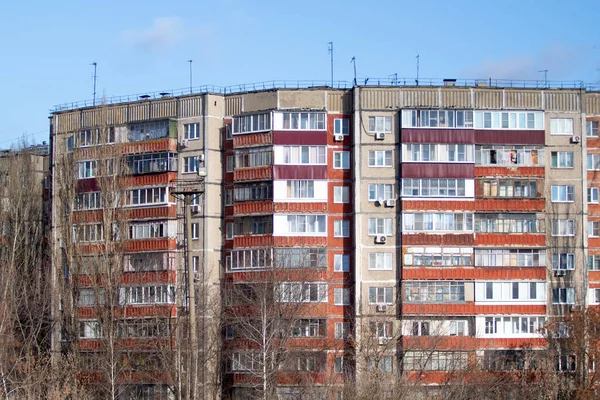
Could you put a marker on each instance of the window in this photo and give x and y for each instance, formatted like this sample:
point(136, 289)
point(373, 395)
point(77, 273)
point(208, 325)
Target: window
point(437, 152)
point(151, 163)
point(300, 257)
point(306, 224)
point(562, 159)
point(298, 292)
point(563, 261)
point(380, 124)
point(566, 363)
point(434, 292)
point(341, 296)
point(190, 164)
point(230, 164)
point(143, 328)
point(593, 162)
point(87, 297)
point(380, 261)
point(381, 295)
point(314, 155)
point(341, 126)
point(139, 197)
point(420, 328)
point(90, 330)
point(514, 325)
point(341, 262)
point(253, 226)
point(509, 155)
point(341, 228)
point(191, 131)
point(300, 189)
point(434, 187)
point(561, 126)
point(563, 296)
point(249, 259)
point(591, 128)
point(509, 223)
point(87, 169)
point(69, 143)
point(245, 361)
point(592, 195)
point(510, 257)
point(457, 328)
point(251, 123)
point(228, 197)
point(254, 157)
point(342, 330)
point(437, 119)
point(563, 227)
point(593, 228)
point(141, 262)
point(229, 230)
point(381, 192)
point(341, 194)
point(162, 294)
point(435, 360)
point(382, 329)
point(87, 138)
point(304, 121)
point(149, 130)
point(149, 230)
point(380, 158)
point(437, 258)
point(309, 328)
point(509, 188)
point(385, 364)
point(338, 366)
point(594, 262)
point(88, 233)
point(563, 193)
point(341, 160)
point(253, 192)
point(195, 230)
point(509, 120)
point(88, 201)
point(380, 226)
point(510, 291)
point(456, 222)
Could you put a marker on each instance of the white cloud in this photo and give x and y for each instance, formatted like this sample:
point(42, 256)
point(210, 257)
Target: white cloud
point(165, 33)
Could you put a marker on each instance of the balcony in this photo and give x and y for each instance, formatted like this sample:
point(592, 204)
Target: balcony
point(152, 163)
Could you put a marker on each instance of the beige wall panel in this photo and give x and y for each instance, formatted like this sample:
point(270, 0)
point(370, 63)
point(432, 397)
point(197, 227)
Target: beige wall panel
point(488, 98)
point(163, 108)
point(67, 122)
point(91, 117)
point(260, 101)
point(313, 99)
point(116, 115)
point(561, 101)
point(138, 112)
point(520, 99)
point(456, 98)
point(426, 97)
point(233, 105)
point(339, 101)
point(592, 104)
point(379, 98)
point(190, 107)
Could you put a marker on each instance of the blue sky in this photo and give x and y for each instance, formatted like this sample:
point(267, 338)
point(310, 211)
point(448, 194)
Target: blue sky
point(143, 46)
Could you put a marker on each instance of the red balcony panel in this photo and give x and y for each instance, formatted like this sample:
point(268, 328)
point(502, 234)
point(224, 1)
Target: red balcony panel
point(437, 205)
point(253, 241)
point(511, 343)
point(594, 209)
point(142, 278)
point(150, 244)
point(294, 241)
point(593, 176)
point(432, 135)
point(150, 146)
point(300, 138)
point(253, 174)
point(82, 217)
point(510, 239)
point(510, 309)
point(437, 170)
point(300, 172)
point(252, 139)
point(131, 311)
point(253, 207)
point(284, 275)
point(150, 180)
point(593, 242)
point(594, 276)
point(297, 377)
point(438, 240)
point(439, 342)
point(447, 273)
point(509, 273)
point(438, 309)
point(300, 207)
point(505, 136)
point(88, 344)
point(481, 171)
point(162, 212)
point(490, 204)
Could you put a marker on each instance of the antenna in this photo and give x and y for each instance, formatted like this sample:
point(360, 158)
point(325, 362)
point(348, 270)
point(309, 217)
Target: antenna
point(353, 61)
point(394, 78)
point(190, 61)
point(330, 49)
point(545, 71)
point(95, 66)
point(417, 81)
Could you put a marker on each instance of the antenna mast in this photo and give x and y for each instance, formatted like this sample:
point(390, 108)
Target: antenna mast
point(330, 49)
point(417, 81)
point(353, 61)
point(95, 66)
point(190, 61)
point(545, 71)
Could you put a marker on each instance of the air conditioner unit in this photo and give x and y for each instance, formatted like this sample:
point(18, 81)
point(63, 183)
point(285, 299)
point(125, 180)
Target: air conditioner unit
point(383, 341)
point(202, 171)
point(338, 138)
point(390, 203)
point(560, 272)
point(195, 209)
point(185, 143)
point(576, 139)
point(201, 157)
point(381, 308)
point(379, 202)
point(379, 136)
point(380, 239)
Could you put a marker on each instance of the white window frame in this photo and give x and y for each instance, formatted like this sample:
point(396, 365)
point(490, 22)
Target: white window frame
point(341, 296)
point(341, 262)
point(564, 159)
point(591, 129)
point(230, 164)
point(558, 294)
point(341, 126)
point(298, 221)
point(300, 189)
point(561, 126)
point(593, 162)
point(88, 169)
point(195, 231)
point(341, 330)
point(381, 295)
point(563, 193)
point(341, 228)
point(563, 227)
point(381, 158)
point(381, 191)
point(381, 261)
point(563, 261)
point(593, 195)
point(593, 262)
point(593, 228)
point(380, 123)
point(341, 194)
point(341, 160)
point(381, 226)
point(191, 131)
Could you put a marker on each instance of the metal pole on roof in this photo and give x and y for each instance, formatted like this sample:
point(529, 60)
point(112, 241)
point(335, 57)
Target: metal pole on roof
point(331, 54)
point(190, 61)
point(95, 66)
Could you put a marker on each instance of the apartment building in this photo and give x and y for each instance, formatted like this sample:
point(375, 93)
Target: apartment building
point(392, 230)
